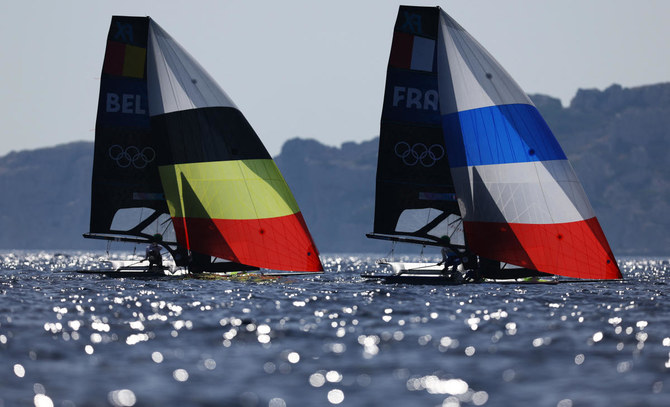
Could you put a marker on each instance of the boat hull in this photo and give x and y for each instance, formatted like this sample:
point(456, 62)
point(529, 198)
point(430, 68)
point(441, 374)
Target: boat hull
point(418, 273)
point(212, 271)
point(434, 274)
point(242, 276)
point(414, 279)
point(130, 273)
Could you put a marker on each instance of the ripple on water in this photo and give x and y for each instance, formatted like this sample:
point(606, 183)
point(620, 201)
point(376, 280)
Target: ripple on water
point(330, 339)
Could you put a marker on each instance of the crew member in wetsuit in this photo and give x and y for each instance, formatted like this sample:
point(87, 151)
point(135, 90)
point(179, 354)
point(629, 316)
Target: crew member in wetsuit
point(450, 258)
point(153, 252)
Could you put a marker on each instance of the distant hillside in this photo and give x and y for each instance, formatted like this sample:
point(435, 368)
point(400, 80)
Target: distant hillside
point(335, 188)
point(45, 197)
point(617, 140)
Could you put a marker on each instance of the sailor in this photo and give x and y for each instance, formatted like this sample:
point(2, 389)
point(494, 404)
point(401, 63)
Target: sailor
point(153, 252)
point(472, 275)
point(450, 259)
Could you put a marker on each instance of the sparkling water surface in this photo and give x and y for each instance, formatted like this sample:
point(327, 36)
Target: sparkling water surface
point(70, 339)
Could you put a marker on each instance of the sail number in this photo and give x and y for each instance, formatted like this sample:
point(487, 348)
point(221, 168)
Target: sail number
point(413, 98)
point(124, 103)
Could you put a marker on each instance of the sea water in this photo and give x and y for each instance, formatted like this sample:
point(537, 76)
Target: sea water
point(71, 339)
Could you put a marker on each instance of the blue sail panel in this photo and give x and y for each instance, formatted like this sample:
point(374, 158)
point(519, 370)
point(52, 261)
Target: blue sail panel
point(499, 135)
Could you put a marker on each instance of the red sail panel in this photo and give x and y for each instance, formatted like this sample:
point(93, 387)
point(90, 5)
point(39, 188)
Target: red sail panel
point(240, 210)
point(401, 50)
point(573, 249)
point(281, 243)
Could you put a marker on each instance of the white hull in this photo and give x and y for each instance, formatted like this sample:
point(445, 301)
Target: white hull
point(139, 267)
point(134, 266)
point(433, 273)
point(406, 268)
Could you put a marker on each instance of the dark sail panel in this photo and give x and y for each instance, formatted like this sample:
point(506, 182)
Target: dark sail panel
point(205, 134)
point(125, 174)
point(414, 192)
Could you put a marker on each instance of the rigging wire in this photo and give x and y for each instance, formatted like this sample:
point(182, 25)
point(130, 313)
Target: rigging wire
point(459, 223)
point(391, 253)
point(139, 220)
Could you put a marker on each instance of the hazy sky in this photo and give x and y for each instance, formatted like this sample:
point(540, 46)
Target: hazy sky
point(312, 68)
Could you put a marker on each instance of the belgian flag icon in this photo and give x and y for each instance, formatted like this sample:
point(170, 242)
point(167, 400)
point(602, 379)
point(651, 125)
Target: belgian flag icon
point(124, 60)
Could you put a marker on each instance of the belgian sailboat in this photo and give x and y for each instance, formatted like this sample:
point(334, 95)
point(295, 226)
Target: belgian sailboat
point(177, 163)
point(466, 162)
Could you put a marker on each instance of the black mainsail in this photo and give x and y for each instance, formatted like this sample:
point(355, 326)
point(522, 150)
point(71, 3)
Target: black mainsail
point(415, 198)
point(125, 171)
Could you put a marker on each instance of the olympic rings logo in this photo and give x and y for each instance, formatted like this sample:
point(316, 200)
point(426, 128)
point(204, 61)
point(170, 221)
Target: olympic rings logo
point(419, 153)
point(125, 157)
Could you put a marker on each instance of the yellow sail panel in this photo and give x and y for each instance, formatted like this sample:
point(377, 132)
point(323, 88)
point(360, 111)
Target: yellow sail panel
point(133, 64)
point(240, 189)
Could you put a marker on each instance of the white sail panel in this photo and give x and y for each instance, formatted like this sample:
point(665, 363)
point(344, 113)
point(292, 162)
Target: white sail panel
point(476, 79)
point(411, 220)
point(452, 226)
point(176, 81)
point(423, 54)
point(530, 193)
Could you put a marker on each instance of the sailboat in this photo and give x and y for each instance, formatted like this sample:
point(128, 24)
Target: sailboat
point(177, 163)
point(467, 163)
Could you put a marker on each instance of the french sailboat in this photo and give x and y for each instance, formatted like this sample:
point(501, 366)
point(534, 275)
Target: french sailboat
point(466, 162)
point(176, 163)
